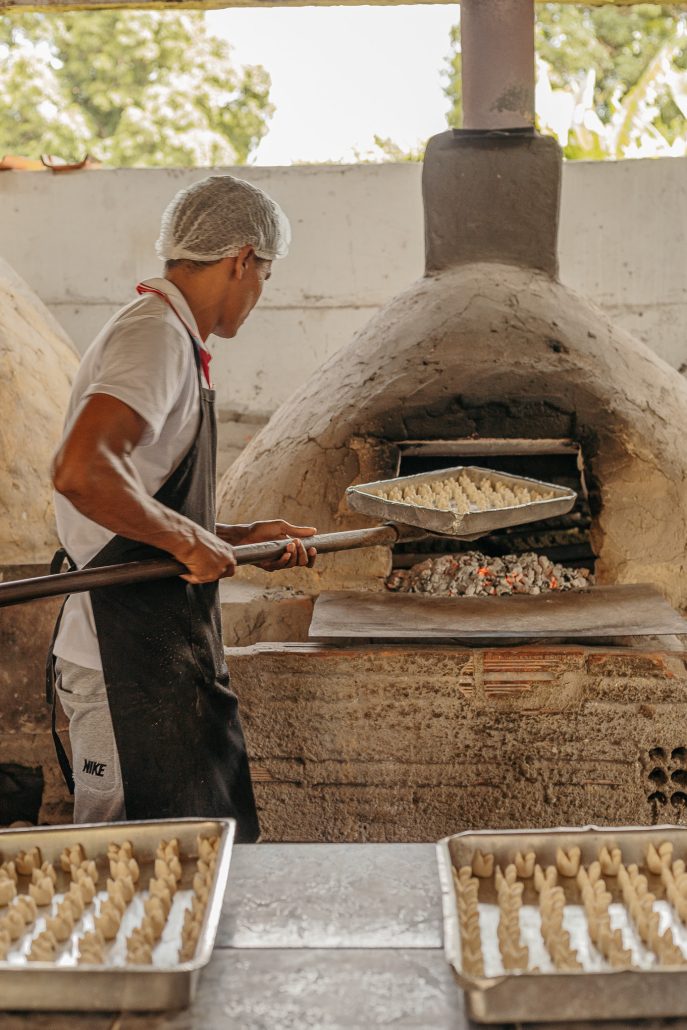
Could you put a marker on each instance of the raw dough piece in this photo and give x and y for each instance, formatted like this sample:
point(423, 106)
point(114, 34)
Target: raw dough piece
point(514, 954)
point(159, 889)
point(467, 900)
point(116, 898)
point(139, 945)
point(655, 860)
point(92, 949)
point(157, 915)
point(541, 878)
point(524, 864)
point(168, 849)
point(556, 938)
point(5, 943)
point(87, 868)
point(139, 954)
point(8, 891)
point(27, 861)
point(596, 900)
point(43, 891)
point(62, 924)
point(609, 861)
point(8, 871)
point(207, 848)
point(168, 867)
point(108, 920)
point(72, 855)
point(46, 869)
point(483, 865)
point(568, 864)
point(13, 922)
point(86, 885)
point(123, 867)
point(74, 898)
point(43, 948)
point(123, 886)
point(665, 851)
point(120, 852)
point(28, 908)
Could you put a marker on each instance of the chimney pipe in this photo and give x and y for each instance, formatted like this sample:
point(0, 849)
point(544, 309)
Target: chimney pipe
point(497, 43)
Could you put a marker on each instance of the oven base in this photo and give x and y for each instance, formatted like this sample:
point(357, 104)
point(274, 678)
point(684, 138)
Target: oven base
point(415, 742)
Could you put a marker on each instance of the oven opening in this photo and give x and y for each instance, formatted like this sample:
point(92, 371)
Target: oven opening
point(564, 540)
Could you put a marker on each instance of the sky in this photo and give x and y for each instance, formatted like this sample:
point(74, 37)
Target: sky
point(341, 75)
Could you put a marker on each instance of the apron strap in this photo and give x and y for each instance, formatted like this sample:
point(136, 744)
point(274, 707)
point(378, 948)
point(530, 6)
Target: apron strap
point(50, 677)
point(62, 756)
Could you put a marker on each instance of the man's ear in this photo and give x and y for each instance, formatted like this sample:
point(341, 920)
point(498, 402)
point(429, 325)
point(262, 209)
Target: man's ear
point(242, 259)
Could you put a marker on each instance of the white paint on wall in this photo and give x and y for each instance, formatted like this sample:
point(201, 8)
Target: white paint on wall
point(83, 240)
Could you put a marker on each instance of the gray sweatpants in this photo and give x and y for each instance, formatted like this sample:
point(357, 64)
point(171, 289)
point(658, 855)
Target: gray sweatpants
point(98, 790)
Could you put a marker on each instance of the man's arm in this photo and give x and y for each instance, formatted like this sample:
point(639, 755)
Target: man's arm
point(94, 471)
point(276, 529)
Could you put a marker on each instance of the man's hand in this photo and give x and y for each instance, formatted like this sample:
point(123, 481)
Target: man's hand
point(276, 529)
point(206, 557)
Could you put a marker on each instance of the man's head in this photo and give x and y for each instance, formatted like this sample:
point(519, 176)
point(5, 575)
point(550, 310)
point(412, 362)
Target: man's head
point(218, 239)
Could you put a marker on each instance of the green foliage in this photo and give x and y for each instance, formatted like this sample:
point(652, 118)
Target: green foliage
point(453, 87)
point(633, 58)
point(128, 87)
point(390, 151)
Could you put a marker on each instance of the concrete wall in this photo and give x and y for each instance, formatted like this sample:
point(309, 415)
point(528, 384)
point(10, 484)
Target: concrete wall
point(83, 240)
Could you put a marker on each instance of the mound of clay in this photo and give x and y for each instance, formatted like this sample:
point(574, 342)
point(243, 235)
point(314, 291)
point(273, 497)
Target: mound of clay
point(37, 365)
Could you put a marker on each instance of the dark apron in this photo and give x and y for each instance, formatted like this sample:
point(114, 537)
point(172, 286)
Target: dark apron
point(176, 724)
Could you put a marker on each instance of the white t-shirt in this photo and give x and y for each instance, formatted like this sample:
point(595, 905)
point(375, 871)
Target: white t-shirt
point(144, 357)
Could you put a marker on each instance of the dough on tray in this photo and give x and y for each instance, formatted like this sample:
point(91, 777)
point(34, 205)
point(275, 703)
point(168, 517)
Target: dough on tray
point(46, 869)
point(75, 899)
point(72, 855)
point(61, 925)
point(483, 865)
point(92, 949)
point(108, 920)
point(43, 948)
point(43, 891)
point(13, 922)
point(27, 861)
point(568, 863)
point(8, 871)
point(28, 908)
point(8, 891)
point(463, 492)
point(123, 886)
point(524, 864)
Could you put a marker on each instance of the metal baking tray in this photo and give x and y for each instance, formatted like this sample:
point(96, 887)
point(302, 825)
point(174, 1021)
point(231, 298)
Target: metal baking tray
point(167, 983)
point(596, 992)
point(470, 525)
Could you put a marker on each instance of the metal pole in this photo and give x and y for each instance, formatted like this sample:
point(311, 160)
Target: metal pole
point(127, 573)
point(497, 42)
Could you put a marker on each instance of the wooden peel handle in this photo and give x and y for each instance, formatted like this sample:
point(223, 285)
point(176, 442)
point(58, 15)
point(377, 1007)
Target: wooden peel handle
point(23, 590)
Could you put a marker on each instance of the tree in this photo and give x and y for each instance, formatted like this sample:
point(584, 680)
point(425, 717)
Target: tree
point(386, 149)
point(620, 67)
point(128, 87)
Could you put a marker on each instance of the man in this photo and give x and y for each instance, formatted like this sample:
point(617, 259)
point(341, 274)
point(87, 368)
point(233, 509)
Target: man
point(140, 670)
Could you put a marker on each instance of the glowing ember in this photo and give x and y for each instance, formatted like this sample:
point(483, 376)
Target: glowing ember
point(473, 574)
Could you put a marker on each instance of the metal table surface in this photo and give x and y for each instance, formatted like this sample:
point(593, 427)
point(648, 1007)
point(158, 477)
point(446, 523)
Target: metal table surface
point(319, 937)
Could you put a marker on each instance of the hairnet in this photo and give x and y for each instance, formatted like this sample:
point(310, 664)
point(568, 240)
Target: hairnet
point(214, 218)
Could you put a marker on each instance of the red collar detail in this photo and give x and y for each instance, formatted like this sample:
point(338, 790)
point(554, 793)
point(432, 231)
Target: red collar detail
point(205, 355)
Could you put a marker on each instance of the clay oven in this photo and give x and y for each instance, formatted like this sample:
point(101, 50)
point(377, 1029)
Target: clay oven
point(489, 359)
point(37, 364)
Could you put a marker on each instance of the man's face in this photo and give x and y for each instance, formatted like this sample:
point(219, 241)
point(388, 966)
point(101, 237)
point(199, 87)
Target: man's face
point(246, 277)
